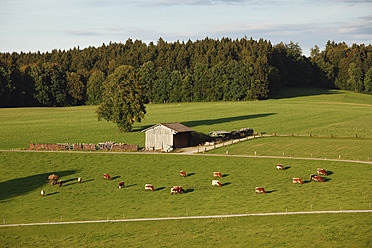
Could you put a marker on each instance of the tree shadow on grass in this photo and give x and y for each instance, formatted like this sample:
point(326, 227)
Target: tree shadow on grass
point(298, 92)
point(161, 188)
point(23, 185)
point(213, 121)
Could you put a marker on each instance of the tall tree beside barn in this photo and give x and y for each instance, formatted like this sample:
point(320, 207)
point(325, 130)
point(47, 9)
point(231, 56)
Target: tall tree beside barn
point(122, 98)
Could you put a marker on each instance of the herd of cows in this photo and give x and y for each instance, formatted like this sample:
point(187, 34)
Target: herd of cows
point(53, 179)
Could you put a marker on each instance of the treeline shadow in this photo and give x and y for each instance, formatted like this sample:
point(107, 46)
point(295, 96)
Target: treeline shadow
point(298, 92)
point(23, 185)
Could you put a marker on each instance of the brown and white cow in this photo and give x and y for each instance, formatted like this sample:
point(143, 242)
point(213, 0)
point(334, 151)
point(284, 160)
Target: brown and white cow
point(106, 176)
point(42, 192)
point(297, 180)
point(182, 173)
point(60, 183)
point(217, 174)
point(121, 185)
point(79, 179)
point(149, 187)
point(216, 183)
point(279, 167)
point(321, 172)
point(318, 179)
point(260, 190)
point(176, 190)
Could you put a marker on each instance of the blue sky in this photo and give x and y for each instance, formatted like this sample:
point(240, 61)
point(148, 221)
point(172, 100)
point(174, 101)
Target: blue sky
point(43, 25)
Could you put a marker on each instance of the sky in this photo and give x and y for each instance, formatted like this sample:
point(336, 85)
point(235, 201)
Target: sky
point(44, 25)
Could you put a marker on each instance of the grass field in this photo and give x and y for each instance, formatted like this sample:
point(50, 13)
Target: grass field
point(23, 175)
point(326, 230)
point(320, 112)
point(301, 112)
point(306, 147)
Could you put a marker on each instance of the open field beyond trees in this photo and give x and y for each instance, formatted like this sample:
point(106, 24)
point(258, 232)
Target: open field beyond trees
point(316, 111)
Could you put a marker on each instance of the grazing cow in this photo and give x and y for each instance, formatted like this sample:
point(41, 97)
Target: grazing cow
point(149, 187)
point(42, 192)
point(260, 190)
point(176, 190)
point(321, 172)
point(216, 183)
point(60, 183)
point(182, 173)
point(106, 176)
point(279, 167)
point(297, 180)
point(79, 179)
point(121, 185)
point(217, 174)
point(318, 179)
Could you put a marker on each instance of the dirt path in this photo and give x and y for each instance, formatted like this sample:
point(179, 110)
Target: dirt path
point(190, 217)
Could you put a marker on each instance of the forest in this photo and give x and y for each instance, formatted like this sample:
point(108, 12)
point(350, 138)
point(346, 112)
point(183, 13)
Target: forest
point(202, 70)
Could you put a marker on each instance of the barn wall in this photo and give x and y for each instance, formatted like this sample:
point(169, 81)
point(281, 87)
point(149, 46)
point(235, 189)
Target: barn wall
point(181, 139)
point(158, 138)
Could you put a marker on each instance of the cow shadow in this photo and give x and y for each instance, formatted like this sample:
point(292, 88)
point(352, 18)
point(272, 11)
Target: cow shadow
point(225, 175)
point(68, 184)
point(86, 181)
point(69, 180)
point(116, 177)
point(191, 174)
point(325, 179)
point(128, 186)
point(225, 184)
point(271, 191)
point(286, 168)
point(22, 185)
point(329, 172)
point(52, 193)
point(188, 191)
point(306, 181)
point(161, 188)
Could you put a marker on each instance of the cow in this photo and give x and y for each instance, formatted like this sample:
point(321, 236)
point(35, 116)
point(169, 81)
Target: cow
point(121, 185)
point(176, 190)
point(279, 167)
point(216, 183)
point(260, 190)
point(42, 192)
point(182, 174)
point(297, 180)
point(79, 179)
point(106, 176)
point(318, 179)
point(217, 174)
point(149, 187)
point(60, 183)
point(321, 172)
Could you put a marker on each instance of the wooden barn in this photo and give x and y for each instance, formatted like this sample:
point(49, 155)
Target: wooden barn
point(165, 136)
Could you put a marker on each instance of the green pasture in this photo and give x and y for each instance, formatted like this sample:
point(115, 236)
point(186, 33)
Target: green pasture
point(24, 174)
point(305, 147)
point(315, 230)
point(300, 111)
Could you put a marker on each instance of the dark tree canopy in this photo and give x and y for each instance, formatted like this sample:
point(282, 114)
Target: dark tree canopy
point(122, 101)
point(201, 70)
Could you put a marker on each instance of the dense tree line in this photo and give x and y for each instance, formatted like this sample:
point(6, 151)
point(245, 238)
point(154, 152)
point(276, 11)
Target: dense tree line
point(204, 70)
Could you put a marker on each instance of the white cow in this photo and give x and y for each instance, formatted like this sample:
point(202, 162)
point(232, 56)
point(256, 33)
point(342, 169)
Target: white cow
point(216, 183)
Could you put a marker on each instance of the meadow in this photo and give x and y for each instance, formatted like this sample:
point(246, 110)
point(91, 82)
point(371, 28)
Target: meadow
point(317, 111)
point(320, 112)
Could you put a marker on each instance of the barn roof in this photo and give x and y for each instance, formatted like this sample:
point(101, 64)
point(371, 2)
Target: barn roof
point(175, 126)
